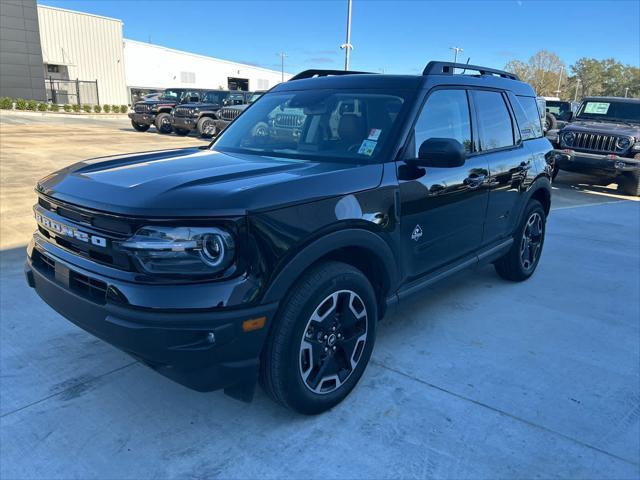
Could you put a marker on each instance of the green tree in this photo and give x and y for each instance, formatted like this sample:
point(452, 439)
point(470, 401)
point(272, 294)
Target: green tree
point(544, 71)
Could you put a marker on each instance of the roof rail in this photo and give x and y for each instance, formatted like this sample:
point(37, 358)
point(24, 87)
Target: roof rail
point(323, 73)
point(447, 68)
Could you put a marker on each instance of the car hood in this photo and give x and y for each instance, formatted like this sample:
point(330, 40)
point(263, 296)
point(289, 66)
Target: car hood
point(603, 127)
point(193, 182)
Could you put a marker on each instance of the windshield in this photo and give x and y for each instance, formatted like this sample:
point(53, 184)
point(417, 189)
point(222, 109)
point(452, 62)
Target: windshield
point(319, 124)
point(254, 97)
point(558, 108)
point(610, 111)
point(171, 94)
point(215, 97)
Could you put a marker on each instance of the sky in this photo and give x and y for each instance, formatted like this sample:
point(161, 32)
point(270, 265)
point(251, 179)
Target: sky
point(387, 36)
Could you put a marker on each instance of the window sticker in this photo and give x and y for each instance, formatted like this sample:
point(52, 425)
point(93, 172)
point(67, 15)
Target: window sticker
point(599, 108)
point(367, 147)
point(374, 134)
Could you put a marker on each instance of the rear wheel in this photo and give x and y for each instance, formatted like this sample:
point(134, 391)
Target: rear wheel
point(321, 341)
point(181, 131)
point(163, 123)
point(550, 121)
point(140, 126)
point(206, 127)
point(522, 259)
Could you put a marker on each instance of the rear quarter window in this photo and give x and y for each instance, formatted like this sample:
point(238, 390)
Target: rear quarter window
point(527, 116)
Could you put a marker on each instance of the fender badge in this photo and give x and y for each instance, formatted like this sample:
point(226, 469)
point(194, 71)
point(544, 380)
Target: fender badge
point(417, 233)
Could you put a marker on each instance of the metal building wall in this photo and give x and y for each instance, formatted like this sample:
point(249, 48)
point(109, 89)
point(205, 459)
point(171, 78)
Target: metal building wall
point(21, 73)
point(153, 66)
point(90, 46)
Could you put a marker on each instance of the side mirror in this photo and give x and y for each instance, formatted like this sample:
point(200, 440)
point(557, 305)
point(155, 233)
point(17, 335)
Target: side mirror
point(441, 153)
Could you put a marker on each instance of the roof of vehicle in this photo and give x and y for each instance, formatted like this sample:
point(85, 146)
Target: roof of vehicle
point(611, 99)
point(434, 72)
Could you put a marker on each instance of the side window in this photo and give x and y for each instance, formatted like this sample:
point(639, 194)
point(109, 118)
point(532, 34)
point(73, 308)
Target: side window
point(494, 121)
point(445, 115)
point(527, 116)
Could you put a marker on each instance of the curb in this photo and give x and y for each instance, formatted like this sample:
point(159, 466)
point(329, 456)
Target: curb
point(93, 116)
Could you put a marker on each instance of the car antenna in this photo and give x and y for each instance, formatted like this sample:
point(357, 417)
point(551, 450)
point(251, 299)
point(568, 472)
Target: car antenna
point(468, 58)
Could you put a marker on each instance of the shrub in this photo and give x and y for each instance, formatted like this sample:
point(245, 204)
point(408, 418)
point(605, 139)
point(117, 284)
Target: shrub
point(75, 107)
point(21, 104)
point(106, 108)
point(43, 107)
point(66, 107)
point(54, 107)
point(97, 108)
point(115, 108)
point(124, 108)
point(32, 105)
point(86, 108)
point(6, 103)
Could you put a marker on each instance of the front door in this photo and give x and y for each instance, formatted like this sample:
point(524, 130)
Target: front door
point(442, 209)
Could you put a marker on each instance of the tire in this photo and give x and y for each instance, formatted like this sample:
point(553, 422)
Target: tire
point(163, 123)
point(205, 127)
point(306, 365)
point(521, 260)
point(550, 121)
point(629, 183)
point(140, 127)
point(555, 170)
point(181, 131)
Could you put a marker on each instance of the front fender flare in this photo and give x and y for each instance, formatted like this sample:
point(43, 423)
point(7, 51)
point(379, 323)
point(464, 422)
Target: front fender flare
point(373, 243)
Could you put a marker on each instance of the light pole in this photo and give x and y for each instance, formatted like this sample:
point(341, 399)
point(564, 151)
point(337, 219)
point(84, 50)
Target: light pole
point(282, 56)
point(347, 47)
point(575, 97)
point(559, 82)
point(626, 92)
point(456, 51)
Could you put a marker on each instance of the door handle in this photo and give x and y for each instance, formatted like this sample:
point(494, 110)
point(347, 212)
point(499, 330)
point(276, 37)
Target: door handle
point(474, 181)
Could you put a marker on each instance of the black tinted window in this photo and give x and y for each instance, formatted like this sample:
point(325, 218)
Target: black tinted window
point(494, 121)
point(445, 115)
point(527, 116)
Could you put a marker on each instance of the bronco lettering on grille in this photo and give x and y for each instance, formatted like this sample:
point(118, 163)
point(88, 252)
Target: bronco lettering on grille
point(67, 231)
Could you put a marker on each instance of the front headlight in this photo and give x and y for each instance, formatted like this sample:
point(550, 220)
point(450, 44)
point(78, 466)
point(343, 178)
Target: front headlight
point(636, 147)
point(568, 138)
point(181, 250)
point(623, 143)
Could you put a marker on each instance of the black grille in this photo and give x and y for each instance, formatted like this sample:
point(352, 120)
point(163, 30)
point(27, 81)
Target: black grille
point(289, 120)
point(229, 114)
point(87, 287)
point(596, 142)
point(143, 108)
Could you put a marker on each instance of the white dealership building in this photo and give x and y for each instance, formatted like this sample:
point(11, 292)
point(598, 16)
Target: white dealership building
point(86, 59)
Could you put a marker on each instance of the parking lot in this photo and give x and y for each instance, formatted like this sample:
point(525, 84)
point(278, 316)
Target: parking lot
point(476, 378)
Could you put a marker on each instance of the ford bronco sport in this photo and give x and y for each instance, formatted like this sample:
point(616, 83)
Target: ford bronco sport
point(272, 257)
point(603, 140)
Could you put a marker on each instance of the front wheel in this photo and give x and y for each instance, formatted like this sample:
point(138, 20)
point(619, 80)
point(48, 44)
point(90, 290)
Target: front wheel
point(163, 123)
point(321, 340)
point(206, 127)
point(521, 260)
point(140, 127)
point(629, 182)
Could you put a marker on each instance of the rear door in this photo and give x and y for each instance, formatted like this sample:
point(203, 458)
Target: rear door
point(442, 209)
point(501, 147)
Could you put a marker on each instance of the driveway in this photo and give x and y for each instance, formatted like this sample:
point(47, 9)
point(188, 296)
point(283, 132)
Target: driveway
point(475, 378)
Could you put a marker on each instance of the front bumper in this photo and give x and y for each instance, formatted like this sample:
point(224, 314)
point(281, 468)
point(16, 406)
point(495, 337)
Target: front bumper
point(202, 349)
point(594, 163)
point(186, 123)
point(143, 118)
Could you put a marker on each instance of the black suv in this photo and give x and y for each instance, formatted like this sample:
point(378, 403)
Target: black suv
point(201, 115)
point(604, 140)
point(158, 111)
point(271, 257)
point(226, 115)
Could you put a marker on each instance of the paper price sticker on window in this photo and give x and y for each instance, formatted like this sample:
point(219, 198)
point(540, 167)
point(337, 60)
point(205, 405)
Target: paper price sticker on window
point(599, 108)
point(374, 134)
point(367, 147)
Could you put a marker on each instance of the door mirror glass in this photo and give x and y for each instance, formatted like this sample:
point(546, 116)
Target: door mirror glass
point(441, 153)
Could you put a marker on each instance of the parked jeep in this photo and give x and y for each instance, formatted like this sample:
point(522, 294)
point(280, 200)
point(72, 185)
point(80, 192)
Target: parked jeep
point(158, 111)
point(226, 115)
point(201, 115)
point(272, 254)
point(604, 140)
point(558, 113)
